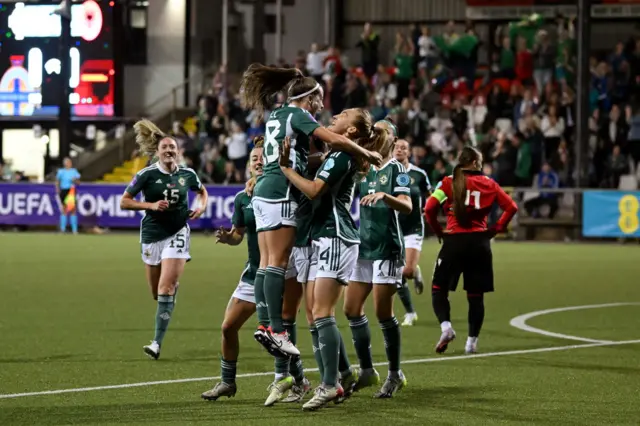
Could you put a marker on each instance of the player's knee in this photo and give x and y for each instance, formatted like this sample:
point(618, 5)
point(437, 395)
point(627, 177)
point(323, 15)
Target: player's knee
point(229, 329)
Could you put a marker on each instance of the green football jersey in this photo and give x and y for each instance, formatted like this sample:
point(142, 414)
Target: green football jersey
point(380, 234)
point(413, 223)
point(156, 184)
point(331, 212)
point(299, 125)
point(303, 222)
point(243, 217)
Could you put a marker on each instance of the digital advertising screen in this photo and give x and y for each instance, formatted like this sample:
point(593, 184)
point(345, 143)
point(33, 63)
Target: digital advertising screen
point(30, 80)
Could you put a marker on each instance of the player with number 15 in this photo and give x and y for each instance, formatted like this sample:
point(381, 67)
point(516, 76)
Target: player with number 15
point(164, 233)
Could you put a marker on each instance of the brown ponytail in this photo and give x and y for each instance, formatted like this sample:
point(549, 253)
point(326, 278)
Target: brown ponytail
point(459, 195)
point(260, 83)
point(467, 157)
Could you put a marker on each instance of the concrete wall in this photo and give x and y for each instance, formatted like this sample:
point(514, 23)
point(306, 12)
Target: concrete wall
point(304, 24)
point(144, 84)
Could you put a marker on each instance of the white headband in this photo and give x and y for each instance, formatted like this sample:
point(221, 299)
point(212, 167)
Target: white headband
point(307, 93)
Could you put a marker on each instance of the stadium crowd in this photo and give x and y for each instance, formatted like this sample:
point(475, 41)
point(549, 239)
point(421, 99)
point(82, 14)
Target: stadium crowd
point(519, 110)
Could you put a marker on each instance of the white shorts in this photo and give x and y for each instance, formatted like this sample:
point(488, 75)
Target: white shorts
point(271, 216)
point(245, 292)
point(174, 247)
point(377, 271)
point(413, 241)
point(335, 259)
point(299, 264)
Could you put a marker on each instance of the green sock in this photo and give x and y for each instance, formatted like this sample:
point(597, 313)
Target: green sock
point(391, 332)
point(274, 292)
point(228, 371)
point(316, 349)
point(163, 316)
point(282, 367)
point(344, 366)
point(295, 362)
point(361, 340)
point(404, 293)
point(261, 302)
point(329, 338)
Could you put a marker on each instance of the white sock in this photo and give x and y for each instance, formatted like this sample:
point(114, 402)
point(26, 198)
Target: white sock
point(472, 341)
point(445, 325)
point(280, 376)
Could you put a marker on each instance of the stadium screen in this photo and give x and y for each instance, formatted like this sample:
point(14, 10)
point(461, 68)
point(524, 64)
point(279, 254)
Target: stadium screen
point(30, 82)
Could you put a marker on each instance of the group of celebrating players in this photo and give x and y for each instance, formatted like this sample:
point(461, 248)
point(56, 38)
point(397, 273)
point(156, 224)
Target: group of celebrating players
point(303, 243)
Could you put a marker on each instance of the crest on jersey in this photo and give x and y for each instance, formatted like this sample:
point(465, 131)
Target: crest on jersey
point(181, 181)
point(328, 165)
point(403, 179)
point(384, 179)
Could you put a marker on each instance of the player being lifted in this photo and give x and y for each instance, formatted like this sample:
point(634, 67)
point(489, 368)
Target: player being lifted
point(385, 193)
point(164, 233)
point(412, 225)
point(467, 198)
point(335, 242)
point(274, 202)
point(243, 303)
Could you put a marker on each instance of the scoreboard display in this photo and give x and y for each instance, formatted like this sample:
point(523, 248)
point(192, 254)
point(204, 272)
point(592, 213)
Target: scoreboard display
point(30, 80)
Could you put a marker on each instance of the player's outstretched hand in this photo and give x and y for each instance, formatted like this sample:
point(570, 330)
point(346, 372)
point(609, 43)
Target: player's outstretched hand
point(371, 199)
point(195, 214)
point(160, 206)
point(285, 150)
point(223, 235)
point(374, 158)
point(248, 188)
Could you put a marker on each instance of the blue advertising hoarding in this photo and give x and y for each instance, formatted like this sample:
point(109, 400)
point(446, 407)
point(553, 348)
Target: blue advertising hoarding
point(611, 214)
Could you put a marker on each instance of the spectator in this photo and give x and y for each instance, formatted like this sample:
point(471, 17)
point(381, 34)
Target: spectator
point(523, 161)
point(355, 93)
point(547, 178)
point(528, 103)
point(615, 129)
point(617, 165)
point(237, 150)
point(427, 50)
point(459, 117)
point(368, 44)
point(524, 62)
point(387, 90)
point(507, 59)
point(439, 172)
point(552, 128)
point(531, 135)
point(544, 56)
point(404, 62)
point(315, 62)
point(617, 57)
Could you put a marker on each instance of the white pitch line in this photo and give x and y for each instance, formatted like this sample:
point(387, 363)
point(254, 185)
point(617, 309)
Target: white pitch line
point(520, 322)
point(269, 373)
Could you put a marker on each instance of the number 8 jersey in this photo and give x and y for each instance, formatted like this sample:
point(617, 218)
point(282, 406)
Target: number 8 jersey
point(156, 185)
point(299, 125)
point(482, 191)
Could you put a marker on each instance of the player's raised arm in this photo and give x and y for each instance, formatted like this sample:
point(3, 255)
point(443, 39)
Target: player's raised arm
point(312, 189)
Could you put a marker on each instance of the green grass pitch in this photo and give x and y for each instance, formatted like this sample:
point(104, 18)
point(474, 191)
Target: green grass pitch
point(76, 311)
